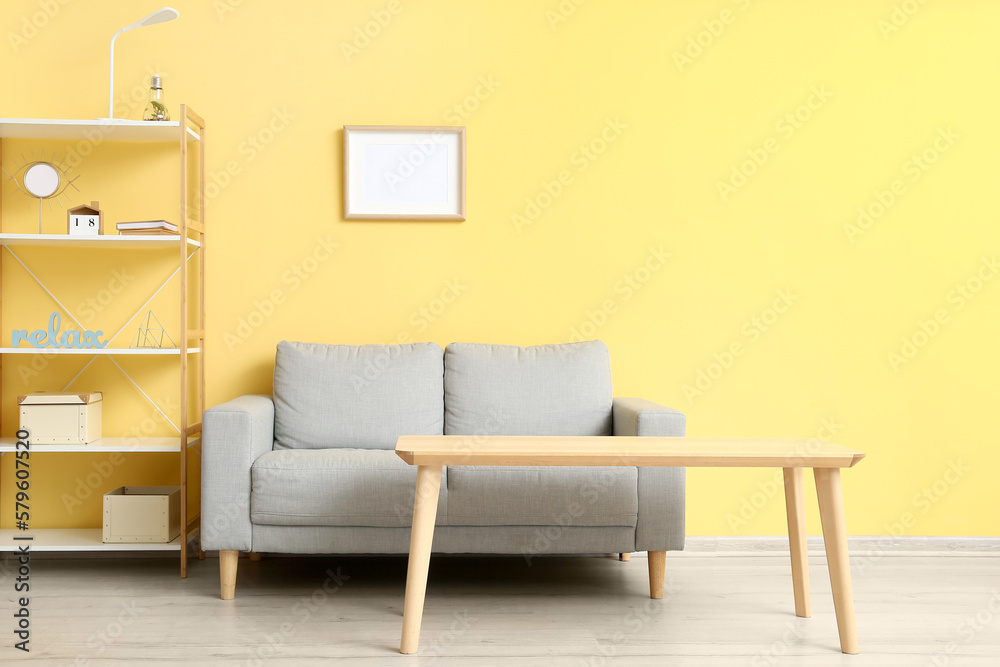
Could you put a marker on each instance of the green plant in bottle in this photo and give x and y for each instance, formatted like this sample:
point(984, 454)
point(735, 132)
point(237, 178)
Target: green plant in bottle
point(156, 109)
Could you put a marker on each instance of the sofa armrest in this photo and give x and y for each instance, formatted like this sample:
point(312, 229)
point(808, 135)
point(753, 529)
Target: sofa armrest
point(637, 416)
point(660, 524)
point(234, 435)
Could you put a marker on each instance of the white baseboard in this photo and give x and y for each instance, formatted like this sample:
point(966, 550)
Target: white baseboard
point(700, 546)
point(857, 545)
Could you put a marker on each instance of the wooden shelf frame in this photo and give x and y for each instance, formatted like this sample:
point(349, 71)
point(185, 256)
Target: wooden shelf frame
point(188, 119)
point(189, 241)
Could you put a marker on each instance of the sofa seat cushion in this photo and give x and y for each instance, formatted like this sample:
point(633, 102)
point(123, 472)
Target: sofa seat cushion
point(358, 396)
point(335, 487)
point(541, 390)
point(542, 496)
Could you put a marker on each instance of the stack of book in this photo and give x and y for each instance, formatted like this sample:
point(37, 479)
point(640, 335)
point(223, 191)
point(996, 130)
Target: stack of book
point(148, 227)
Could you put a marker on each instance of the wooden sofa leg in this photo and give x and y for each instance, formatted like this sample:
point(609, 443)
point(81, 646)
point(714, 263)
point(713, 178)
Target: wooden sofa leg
point(254, 556)
point(228, 560)
point(624, 556)
point(657, 572)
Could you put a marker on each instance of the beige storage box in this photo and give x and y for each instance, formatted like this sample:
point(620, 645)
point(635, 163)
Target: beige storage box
point(53, 418)
point(142, 514)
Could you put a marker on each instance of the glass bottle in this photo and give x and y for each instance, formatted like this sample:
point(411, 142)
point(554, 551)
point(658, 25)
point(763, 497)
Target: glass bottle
point(156, 109)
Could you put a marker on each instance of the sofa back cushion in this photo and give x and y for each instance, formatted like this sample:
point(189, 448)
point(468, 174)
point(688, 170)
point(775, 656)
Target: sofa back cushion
point(541, 390)
point(356, 396)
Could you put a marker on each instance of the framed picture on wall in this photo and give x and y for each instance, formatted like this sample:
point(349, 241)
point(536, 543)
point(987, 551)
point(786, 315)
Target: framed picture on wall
point(404, 173)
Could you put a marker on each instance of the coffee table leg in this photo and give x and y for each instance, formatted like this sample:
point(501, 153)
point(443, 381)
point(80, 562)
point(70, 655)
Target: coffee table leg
point(425, 503)
point(795, 508)
point(831, 511)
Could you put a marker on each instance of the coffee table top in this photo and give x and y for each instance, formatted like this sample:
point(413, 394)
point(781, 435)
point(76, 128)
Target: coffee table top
point(506, 450)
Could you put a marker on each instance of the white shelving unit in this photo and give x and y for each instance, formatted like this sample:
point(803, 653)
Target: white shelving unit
point(104, 351)
point(67, 241)
point(107, 129)
point(190, 240)
point(105, 446)
point(76, 539)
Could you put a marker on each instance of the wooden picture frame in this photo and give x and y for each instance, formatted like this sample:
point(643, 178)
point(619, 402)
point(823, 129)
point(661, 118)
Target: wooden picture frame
point(396, 172)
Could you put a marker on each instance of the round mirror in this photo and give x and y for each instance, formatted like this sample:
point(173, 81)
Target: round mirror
point(41, 180)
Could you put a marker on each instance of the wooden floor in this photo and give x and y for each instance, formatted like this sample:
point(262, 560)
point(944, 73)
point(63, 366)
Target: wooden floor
point(720, 609)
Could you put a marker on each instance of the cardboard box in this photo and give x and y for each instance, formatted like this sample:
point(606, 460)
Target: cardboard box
point(53, 418)
point(142, 514)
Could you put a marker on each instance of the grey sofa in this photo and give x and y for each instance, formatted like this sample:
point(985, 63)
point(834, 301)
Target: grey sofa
point(312, 470)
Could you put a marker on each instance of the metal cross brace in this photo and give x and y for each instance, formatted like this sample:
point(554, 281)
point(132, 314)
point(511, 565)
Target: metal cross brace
point(117, 333)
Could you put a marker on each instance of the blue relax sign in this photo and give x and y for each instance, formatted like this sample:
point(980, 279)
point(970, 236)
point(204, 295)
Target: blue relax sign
point(52, 338)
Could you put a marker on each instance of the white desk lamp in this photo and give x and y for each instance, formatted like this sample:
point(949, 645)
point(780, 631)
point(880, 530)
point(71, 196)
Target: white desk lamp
point(159, 16)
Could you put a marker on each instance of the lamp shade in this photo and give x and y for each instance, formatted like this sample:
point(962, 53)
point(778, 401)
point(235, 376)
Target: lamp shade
point(161, 15)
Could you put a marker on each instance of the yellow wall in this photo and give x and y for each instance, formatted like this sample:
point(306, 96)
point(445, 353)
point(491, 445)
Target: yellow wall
point(887, 82)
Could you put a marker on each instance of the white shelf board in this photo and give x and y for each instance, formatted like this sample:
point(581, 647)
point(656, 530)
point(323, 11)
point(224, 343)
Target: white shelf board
point(93, 130)
point(105, 445)
point(105, 351)
point(73, 539)
point(105, 241)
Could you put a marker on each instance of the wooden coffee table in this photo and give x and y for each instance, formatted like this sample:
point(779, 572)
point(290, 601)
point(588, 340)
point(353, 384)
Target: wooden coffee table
point(430, 453)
